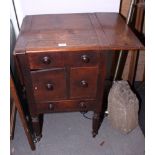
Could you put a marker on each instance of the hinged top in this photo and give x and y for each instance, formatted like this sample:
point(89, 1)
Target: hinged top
point(73, 32)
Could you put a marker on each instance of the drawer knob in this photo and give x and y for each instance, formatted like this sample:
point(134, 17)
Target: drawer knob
point(51, 106)
point(85, 58)
point(84, 83)
point(49, 86)
point(46, 60)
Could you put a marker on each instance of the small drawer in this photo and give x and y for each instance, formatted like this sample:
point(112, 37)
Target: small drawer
point(83, 82)
point(49, 84)
point(41, 60)
point(65, 106)
point(83, 58)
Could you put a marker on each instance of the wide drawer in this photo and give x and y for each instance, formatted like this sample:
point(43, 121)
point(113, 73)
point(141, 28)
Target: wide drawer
point(83, 82)
point(65, 106)
point(43, 60)
point(49, 84)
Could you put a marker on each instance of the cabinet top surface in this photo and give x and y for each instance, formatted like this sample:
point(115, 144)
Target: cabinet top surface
point(73, 32)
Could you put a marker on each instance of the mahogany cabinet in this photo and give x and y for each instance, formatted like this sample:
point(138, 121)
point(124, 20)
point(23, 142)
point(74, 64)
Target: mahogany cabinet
point(61, 61)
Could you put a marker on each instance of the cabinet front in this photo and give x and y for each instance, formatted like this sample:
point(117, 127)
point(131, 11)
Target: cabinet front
point(62, 81)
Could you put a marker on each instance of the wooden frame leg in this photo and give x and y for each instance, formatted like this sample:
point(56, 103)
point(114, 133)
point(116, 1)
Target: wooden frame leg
point(21, 113)
point(12, 120)
point(96, 124)
point(133, 66)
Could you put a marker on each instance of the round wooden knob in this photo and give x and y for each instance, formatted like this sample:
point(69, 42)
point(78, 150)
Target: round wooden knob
point(84, 83)
point(51, 106)
point(46, 60)
point(85, 58)
point(49, 86)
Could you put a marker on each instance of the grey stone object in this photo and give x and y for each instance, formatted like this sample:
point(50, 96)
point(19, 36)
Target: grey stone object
point(123, 107)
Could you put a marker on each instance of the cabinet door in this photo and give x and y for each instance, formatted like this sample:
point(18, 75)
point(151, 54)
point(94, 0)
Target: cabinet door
point(49, 85)
point(83, 82)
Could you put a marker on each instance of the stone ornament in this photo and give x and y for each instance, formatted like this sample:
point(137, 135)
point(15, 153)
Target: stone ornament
point(123, 107)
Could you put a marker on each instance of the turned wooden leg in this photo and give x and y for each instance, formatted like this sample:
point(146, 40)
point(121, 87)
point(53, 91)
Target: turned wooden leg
point(96, 124)
point(133, 66)
point(37, 127)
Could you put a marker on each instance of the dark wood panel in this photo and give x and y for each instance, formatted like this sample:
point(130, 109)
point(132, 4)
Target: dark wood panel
point(24, 71)
point(83, 82)
point(76, 32)
point(69, 21)
point(48, 31)
point(118, 32)
point(66, 106)
point(49, 84)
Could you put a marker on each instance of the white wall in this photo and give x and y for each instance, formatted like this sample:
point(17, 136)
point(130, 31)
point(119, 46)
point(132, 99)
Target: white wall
point(28, 7)
point(13, 19)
